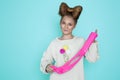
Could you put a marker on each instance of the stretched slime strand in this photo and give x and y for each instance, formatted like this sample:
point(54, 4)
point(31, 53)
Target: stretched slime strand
point(75, 59)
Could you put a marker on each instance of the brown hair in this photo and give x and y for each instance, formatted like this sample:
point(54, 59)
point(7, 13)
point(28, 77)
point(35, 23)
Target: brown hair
point(73, 12)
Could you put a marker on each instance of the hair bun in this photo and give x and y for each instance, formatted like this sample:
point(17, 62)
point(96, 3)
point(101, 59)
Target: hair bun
point(66, 10)
point(63, 9)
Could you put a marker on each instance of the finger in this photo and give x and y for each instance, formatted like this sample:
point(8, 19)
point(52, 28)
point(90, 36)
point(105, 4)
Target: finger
point(50, 71)
point(96, 31)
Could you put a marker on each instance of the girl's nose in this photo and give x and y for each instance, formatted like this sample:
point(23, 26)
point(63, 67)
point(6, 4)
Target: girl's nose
point(66, 26)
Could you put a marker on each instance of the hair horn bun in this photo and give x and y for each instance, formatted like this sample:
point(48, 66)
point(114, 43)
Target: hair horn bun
point(77, 11)
point(65, 10)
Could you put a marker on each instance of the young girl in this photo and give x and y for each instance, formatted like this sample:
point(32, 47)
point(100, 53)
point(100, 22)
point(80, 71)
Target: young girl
point(71, 44)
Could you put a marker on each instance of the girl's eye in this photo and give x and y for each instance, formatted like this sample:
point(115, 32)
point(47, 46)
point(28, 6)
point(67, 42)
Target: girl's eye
point(70, 24)
point(63, 22)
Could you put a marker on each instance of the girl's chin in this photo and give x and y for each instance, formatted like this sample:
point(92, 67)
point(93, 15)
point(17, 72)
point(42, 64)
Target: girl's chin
point(65, 33)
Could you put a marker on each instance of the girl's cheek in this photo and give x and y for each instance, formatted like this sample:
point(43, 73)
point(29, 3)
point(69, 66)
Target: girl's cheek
point(70, 27)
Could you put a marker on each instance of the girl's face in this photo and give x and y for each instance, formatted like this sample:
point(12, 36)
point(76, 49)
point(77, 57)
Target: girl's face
point(67, 25)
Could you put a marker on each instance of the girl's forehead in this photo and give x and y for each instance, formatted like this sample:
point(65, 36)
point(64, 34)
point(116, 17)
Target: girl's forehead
point(67, 18)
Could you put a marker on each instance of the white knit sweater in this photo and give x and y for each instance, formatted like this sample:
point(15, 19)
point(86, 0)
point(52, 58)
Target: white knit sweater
point(71, 46)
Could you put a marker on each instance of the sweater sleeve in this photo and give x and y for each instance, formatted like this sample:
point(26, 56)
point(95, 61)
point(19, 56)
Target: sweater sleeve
point(46, 59)
point(92, 54)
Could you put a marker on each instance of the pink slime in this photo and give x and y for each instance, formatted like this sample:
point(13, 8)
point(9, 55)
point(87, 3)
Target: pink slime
point(75, 59)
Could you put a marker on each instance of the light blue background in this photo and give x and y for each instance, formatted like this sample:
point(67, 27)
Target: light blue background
point(28, 26)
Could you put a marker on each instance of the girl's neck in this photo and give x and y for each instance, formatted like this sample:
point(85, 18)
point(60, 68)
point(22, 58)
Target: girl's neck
point(65, 37)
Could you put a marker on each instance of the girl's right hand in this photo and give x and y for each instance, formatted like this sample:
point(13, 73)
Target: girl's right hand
point(49, 69)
